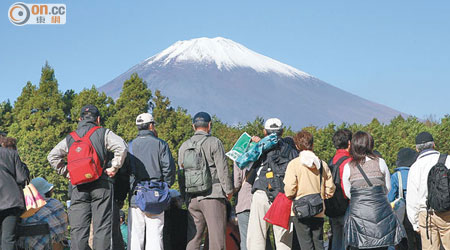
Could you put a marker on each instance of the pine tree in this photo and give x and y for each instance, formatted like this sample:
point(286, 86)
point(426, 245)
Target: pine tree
point(134, 100)
point(173, 126)
point(104, 104)
point(39, 124)
point(6, 116)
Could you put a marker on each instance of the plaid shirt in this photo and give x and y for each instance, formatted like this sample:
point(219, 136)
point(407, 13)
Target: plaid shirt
point(54, 214)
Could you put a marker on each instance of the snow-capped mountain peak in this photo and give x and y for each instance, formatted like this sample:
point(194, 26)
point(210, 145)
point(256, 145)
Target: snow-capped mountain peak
point(225, 53)
point(236, 84)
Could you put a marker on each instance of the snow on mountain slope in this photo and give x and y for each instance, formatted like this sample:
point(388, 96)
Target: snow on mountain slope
point(225, 53)
point(229, 80)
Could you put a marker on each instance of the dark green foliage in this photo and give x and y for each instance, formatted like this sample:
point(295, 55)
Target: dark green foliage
point(104, 104)
point(134, 100)
point(6, 116)
point(39, 124)
point(42, 116)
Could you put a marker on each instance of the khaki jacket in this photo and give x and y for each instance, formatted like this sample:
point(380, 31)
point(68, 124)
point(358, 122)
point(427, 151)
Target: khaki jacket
point(302, 178)
point(217, 160)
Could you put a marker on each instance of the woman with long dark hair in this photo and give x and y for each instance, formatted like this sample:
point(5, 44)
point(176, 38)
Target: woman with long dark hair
point(370, 221)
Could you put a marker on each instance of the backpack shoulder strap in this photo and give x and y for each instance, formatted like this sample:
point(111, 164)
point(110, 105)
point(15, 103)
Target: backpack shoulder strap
point(91, 131)
point(427, 154)
point(88, 134)
point(336, 169)
point(341, 160)
point(75, 136)
point(201, 141)
point(442, 158)
point(286, 148)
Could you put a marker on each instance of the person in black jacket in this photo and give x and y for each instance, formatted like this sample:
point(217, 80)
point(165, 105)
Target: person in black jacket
point(13, 175)
point(150, 159)
point(270, 169)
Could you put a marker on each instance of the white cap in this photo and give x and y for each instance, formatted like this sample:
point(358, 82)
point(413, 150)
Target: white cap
point(144, 118)
point(273, 124)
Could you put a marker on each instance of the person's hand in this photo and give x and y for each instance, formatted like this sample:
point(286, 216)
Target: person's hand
point(111, 172)
point(229, 196)
point(256, 139)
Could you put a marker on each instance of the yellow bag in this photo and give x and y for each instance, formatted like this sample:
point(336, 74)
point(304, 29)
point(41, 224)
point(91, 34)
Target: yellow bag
point(33, 201)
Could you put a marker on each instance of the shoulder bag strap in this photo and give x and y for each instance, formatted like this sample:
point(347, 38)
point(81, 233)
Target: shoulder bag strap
point(364, 174)
point(400, 184)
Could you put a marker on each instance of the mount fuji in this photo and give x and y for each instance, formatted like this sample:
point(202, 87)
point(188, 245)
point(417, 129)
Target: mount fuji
point(236, 84)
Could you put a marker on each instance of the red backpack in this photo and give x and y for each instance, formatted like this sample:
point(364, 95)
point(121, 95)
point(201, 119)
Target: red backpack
point(82, 160)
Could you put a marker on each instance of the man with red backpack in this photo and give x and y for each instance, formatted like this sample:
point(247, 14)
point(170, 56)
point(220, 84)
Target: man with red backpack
point(90, 171)
point(337, 205)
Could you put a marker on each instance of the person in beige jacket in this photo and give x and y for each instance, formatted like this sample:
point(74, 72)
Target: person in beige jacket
point(303, 178)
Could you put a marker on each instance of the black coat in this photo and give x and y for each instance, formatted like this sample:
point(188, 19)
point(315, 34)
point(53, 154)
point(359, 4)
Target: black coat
point(370, 221)
point(13, 175)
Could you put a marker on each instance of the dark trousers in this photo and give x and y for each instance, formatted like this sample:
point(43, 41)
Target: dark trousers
point(337, 230)
point(94, 201)
point(210, 213)
point(378, 248)
point(413, 240)
point(8, 223)
point(309, 232)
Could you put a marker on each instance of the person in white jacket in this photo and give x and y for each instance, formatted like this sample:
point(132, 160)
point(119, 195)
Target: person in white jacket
point(438, 223)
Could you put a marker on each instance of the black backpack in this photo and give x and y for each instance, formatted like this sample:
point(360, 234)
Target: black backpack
point(276, 162)
point(336, 205)
point(439, 186)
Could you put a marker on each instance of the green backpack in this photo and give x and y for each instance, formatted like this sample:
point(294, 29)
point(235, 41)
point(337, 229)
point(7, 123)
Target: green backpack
point(196, 170)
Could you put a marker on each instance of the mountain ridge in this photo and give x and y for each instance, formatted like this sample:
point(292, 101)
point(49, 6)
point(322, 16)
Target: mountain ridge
point(237, 84)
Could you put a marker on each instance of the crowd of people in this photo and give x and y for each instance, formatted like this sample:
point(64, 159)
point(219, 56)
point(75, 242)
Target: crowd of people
point(367, 207)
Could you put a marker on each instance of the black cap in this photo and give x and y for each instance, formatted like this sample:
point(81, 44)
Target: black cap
point(406, 157)
point(122, 214)
point(90, 109)
point(424, 137)
point(201, 116)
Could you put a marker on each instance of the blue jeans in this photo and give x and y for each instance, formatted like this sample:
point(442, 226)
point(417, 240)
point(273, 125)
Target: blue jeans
point(337, 229)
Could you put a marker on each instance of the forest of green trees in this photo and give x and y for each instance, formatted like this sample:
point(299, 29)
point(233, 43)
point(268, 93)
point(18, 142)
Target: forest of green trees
point(43, 115)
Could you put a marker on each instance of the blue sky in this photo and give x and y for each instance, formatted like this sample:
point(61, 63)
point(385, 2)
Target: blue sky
point(396, 53)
